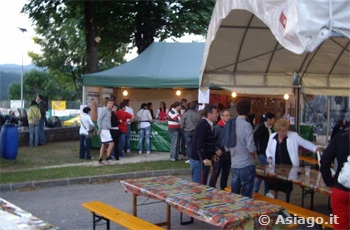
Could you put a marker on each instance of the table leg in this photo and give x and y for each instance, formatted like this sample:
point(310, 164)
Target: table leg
point(168, 215)
point(134, 204)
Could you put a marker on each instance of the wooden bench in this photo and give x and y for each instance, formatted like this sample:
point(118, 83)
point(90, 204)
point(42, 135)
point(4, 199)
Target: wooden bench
point(309, 160)
point(102, 211)
point(297, 210)
point(293, 209)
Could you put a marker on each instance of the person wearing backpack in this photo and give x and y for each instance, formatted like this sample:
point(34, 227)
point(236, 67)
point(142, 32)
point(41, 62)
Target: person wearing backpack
point(243, 152)
point(34, 116)
point(262, 133)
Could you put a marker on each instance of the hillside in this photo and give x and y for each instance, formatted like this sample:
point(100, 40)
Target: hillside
point(11, 73)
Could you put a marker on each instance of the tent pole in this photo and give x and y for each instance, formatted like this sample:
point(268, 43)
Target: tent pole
point(328, 117)
point(83, 97)
point(297, 110)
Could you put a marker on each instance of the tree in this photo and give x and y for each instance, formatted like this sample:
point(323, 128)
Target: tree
point(140, 22)
point(62, 43)
point(108, 27)
point(41, 82)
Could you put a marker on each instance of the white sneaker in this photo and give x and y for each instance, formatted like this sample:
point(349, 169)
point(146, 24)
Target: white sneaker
point(148, 152)
point(128, 150)
point(140, 152)
point(188, 161)
point(270, 195)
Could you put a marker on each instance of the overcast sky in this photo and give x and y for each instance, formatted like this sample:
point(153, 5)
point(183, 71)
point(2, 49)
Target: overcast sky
point(14, 43)
point(12, 40)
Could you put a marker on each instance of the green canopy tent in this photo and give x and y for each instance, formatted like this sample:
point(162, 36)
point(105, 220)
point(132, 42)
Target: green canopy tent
point(161, 65)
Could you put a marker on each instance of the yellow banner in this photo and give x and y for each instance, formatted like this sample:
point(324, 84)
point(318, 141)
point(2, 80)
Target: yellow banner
point(58, 105)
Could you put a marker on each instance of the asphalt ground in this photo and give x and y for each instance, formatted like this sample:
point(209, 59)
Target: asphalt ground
point(60, 203)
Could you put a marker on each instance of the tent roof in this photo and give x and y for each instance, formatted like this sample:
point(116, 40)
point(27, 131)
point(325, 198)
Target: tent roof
point(161, 65)
point(256, 46)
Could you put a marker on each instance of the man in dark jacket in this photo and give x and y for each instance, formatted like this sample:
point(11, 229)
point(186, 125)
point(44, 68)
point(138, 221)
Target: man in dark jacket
point(203, 146)
point(224, 162)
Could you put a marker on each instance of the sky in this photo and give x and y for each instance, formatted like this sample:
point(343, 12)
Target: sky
point(14, 43)
point(12, 40)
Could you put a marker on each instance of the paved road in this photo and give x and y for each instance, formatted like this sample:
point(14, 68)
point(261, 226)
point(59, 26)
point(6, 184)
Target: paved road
point(61, 205)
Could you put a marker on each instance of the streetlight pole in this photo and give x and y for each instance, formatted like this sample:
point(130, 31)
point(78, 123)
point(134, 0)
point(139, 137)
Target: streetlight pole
point(23, 30)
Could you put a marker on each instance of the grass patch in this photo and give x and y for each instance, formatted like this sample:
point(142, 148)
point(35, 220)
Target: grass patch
point(30, 160)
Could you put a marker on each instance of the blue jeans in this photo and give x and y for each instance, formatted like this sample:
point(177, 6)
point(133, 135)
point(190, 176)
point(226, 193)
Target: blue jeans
point(196, 171)
point(128, 137)
point(174, 147)
point(262, 161)
point(243, 180)
point(33, 135)
point(145, 133)
point(224, 166)
point(122, 138)
point(41, 131)
point(188, 137)
point(85, 143)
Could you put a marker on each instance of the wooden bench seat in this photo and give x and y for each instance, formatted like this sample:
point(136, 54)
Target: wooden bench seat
point(106, 212)
point(292, 209)
point(308, 159)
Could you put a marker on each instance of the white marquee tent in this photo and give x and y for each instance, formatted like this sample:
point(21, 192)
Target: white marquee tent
point(274, 46)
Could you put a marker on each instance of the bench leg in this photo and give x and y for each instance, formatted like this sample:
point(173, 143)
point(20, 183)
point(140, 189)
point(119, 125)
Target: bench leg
point(97, 218)
point(288, 197)
point(93, 221)
point(303, 193)
point(185, 222)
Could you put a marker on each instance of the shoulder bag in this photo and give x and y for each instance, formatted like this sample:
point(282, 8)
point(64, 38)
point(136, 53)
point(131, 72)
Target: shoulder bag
point(91, 132)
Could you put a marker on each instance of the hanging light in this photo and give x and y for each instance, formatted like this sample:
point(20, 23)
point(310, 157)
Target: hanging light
point(286, 96)
point(125, 93)
point(234, 94)
point(178, 92)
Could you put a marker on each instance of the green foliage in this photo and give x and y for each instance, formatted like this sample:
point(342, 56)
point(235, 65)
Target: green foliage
point(78, 37)
point(35, 82)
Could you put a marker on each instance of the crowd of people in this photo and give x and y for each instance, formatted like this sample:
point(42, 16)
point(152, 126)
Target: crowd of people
point(199, 137)
point(34, 120)
point(114, 127)
point(270, 141)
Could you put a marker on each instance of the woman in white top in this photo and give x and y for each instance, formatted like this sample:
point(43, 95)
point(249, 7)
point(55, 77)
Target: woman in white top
point(145, 119)
point(282, 148)
point(85, 142)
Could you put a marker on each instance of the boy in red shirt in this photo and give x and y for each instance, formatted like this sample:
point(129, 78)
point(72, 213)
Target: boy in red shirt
point(123, 128)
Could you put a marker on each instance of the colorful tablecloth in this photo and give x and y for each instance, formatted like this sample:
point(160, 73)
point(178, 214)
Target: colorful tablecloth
point(296, 175)
point(13, 217)
point(211, 205)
